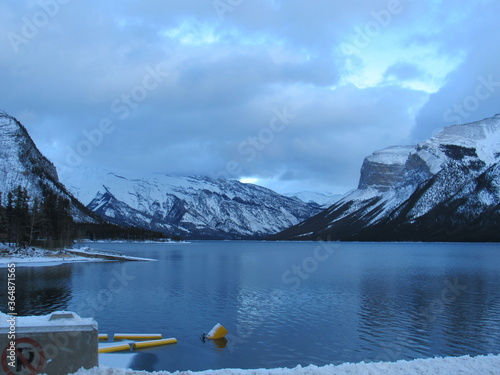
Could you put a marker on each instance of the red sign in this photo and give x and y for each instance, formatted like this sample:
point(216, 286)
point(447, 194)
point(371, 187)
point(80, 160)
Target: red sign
point(30, 359)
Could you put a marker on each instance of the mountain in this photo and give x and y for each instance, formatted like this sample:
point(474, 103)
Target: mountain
point(324, 200)
point(193, 207)
point(444, 189)
point(22, 164)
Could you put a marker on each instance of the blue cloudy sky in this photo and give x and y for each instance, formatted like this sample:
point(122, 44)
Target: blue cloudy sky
point(291, 94)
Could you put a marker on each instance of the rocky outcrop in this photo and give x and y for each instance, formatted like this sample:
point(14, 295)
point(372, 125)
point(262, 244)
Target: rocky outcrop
point(383, 169)
point(439, 190)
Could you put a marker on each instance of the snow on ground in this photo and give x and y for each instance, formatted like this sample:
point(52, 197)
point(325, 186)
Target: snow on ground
point(32, 256)
point(481, 365)
point(168, 241)
point(69, 319)
point(91, 253)
point(115, 360)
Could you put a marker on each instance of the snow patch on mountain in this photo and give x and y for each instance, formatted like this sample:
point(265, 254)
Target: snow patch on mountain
point(322, 199)
point(194, 207)
point(22, 164)
point(461, 152)
point(454, 171)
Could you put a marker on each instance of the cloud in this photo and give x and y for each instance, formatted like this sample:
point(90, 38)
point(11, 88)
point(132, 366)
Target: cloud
point(192, 88)
point(472, 91)
point(402, 71)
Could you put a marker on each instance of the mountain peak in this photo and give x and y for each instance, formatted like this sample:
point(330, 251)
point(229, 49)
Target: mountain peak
point(22, 164)
point(20, 156)
point(193, 207)
point(442, 189)
point(382, 169)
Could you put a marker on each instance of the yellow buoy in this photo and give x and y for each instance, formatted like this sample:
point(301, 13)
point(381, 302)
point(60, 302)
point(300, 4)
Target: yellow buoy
point(147, 344)
point(114, 348)
point(218, 332)
point(138, 336)
point(103, 336)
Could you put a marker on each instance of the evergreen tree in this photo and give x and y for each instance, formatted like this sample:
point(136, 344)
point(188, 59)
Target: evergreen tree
point(9, 214)
point(35, 226)
point(56, 223)
point(65, 222)
point(18, 217)
point(3, 221)
point(49, 216)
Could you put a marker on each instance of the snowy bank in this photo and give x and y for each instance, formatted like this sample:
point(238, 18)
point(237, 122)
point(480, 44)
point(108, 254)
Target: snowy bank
point(107, 255)
point(168, 241)
point(31, 256)
point(481, 365)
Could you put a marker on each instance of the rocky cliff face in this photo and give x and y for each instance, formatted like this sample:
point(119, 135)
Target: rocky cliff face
point(424, 193)
point(382, 170)
point(192, 207)
point(21, 163)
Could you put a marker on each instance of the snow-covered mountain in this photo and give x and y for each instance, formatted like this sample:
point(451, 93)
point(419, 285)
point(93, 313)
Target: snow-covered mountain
point(22, 164)
point(324, 200)
point(447, 188)
point(192, 207)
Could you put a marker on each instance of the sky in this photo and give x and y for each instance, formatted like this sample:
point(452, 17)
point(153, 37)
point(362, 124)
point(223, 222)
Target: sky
point(288, 94)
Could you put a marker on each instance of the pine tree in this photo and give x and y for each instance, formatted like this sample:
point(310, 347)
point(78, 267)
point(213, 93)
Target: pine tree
point(56, 223)
point(49, 217)
point(9, 215)
point(3, 221)
point(18, 217)
point(35, 226)
point(65, 222)
point(22, 216)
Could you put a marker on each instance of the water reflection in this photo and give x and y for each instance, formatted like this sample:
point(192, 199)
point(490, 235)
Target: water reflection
point(144, 362)
point(405, 316)
point(367, 302)
point(220, 343)
point(41, 290)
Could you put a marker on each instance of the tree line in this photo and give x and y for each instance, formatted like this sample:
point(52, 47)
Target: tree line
point(35, 221)
point(47, 222)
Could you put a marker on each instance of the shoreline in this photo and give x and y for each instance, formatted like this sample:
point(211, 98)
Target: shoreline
point(130, 241)
point(482, 364)
point(36, 257)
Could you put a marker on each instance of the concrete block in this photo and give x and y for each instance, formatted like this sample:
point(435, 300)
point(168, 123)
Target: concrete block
point(56, 344)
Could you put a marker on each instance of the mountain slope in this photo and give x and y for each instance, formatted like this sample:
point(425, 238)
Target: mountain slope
point(193, 207)
point(444, 189)
point(21, 163)
point(324, 200)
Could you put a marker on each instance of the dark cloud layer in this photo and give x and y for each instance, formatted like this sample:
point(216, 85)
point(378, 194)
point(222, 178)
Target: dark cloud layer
point(294, 93)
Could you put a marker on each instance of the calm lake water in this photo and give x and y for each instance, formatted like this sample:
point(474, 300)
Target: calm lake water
point(284, 304)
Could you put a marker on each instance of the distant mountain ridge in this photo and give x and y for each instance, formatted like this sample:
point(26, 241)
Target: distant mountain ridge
point(22, 164)
point(324, 200)
point(444, 189)
point(192, 207)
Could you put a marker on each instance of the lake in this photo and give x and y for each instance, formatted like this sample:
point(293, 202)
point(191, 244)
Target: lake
point(284, 303)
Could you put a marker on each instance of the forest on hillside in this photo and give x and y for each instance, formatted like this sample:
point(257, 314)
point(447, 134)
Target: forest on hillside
point(47, 222)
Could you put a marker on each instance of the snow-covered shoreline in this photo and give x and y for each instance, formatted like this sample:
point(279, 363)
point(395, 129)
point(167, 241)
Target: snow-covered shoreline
point(32, 256)
point(105, 255)
point(36, 257)
point(466, 365)
point(134, 241)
